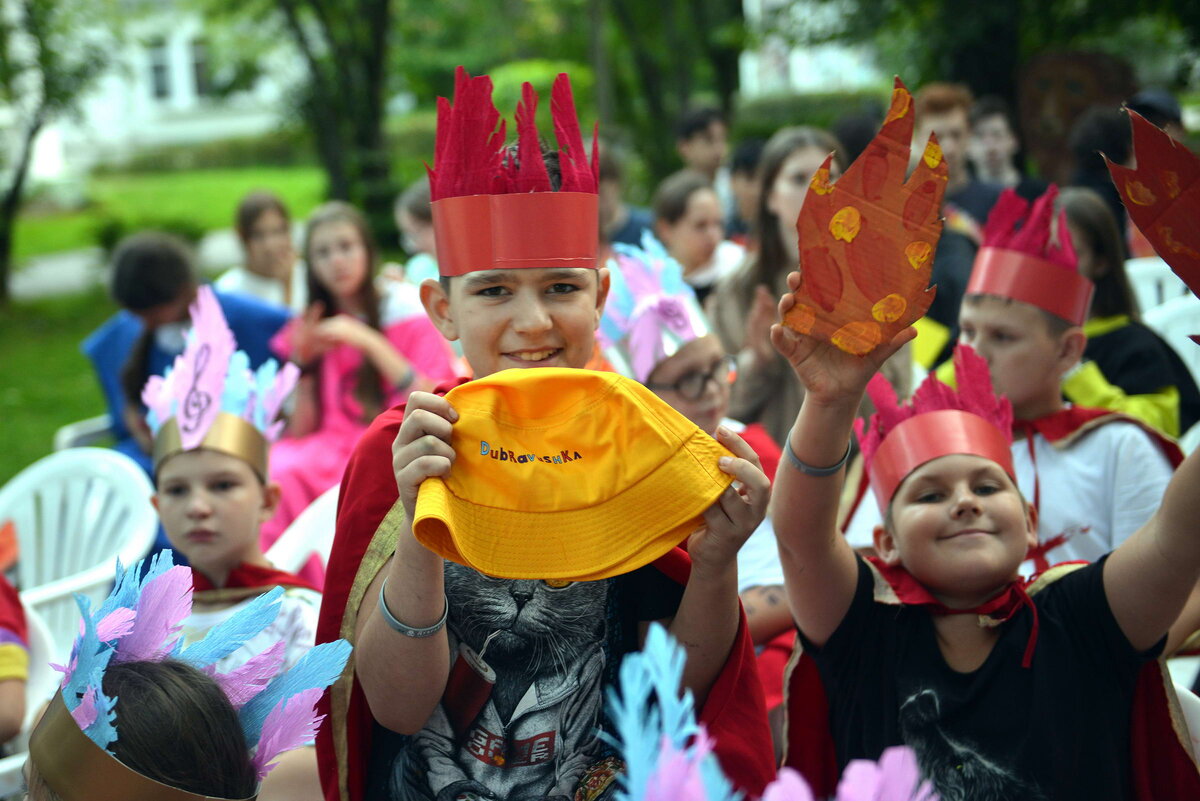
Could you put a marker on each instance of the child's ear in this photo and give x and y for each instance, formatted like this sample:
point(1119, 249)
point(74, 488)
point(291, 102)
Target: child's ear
point(437, 306)
point(271, 496)
point(885, 545)
point(1071, 346)
point(601, 293)
point(154, 502)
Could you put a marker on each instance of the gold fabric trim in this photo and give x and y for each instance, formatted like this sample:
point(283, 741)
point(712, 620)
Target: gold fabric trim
point(379, 550)
point(228, 434)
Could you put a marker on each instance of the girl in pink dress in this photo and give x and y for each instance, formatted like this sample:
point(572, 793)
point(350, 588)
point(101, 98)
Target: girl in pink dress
point(359, 354)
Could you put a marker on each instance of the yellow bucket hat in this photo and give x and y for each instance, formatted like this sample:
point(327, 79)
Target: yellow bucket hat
point(566, 474)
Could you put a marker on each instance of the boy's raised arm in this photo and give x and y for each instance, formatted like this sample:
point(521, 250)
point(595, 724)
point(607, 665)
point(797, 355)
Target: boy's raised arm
point(1150, 576)
point(818, 564)
point(404, 677)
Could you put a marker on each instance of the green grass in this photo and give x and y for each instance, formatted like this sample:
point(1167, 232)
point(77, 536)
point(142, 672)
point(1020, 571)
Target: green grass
point(45, 382)
point(206, 199)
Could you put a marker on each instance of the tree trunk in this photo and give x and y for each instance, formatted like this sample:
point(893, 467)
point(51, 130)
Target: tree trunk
point(600, 63)
point(11, 204)
point(652, 125)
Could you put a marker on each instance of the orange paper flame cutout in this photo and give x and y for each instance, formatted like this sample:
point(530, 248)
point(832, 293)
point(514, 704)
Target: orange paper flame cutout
point(1163, 197)
point(867, 242)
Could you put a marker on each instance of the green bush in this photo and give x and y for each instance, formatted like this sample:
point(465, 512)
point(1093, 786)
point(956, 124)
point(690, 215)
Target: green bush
point(763, 116)
point(111, 230)
point(285, 147)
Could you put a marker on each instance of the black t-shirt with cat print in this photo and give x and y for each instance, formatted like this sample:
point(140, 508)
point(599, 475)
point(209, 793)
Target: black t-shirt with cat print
point(1056, 730)
point(530, 663)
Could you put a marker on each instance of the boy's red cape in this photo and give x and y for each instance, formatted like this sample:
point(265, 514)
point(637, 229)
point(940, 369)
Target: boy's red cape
point(245, 581)
point(1161, 760)
point(369, 517)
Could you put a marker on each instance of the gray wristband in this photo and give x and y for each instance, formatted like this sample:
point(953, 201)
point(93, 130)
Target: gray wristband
point(406, 630)
point(808, 469)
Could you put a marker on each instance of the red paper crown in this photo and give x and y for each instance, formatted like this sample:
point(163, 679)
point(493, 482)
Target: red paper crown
point(1163, 198)
point(494, 211)
point(1023, 263)
point(938, 421)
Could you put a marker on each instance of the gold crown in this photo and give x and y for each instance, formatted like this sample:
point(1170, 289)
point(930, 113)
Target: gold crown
point(77, 769)
point(228, 434)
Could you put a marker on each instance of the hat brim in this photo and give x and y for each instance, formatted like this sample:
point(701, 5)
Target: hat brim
point(619, 535)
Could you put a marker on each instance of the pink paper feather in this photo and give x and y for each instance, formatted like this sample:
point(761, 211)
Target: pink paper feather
point(677, 777)
point(200, 369)
point(243, 683)
point(85, 713)
point(788, 785)
point(165, 603)
point(529, 173)
point(115, 624)
point(291, 724)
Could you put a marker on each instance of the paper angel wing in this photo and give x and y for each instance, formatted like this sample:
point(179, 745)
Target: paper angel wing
point(867, 241)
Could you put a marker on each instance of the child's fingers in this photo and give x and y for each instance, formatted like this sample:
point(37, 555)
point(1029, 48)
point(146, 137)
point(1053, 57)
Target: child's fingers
point(735, 443)
point(885, 351)
point(755, 486)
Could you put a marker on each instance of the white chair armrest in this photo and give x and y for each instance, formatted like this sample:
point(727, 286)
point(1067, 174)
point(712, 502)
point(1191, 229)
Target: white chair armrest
point(82, 433)
point(68, 585)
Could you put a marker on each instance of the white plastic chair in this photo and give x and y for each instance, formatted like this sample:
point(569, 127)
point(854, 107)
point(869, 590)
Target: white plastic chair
point(83, 433)
point(1175, 321)
point(310, 533)
point(75, 512)
point(1153, 282)
point(39, 688)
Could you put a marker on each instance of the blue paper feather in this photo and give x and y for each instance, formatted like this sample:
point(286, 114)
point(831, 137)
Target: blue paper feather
point(229, 635)
point(319, 667)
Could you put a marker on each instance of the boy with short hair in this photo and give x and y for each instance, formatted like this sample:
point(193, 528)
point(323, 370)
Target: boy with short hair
point(936, 644)
point(533, 301)
point(1094, 476)
point(213, 422)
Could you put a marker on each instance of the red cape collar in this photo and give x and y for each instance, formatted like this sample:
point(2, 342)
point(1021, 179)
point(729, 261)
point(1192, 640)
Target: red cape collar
point(247, 576)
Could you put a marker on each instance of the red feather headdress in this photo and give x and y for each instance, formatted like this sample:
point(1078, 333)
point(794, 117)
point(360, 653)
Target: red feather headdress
point(1020, 260)
point(496, 209)
point(938, 421)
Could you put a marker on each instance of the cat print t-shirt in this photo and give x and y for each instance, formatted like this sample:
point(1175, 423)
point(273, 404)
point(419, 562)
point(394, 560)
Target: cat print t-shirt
point(1056, 730)
point(524, 704)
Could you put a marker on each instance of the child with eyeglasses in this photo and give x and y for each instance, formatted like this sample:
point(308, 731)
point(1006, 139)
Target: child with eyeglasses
point(655, 331)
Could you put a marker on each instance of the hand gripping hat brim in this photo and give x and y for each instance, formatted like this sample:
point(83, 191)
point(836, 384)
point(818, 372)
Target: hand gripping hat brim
point(567, 474)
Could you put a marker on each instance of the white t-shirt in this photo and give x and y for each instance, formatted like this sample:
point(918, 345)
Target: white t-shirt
point(241, 281)
point(758, 559)
point(1092, 494)
point(295, 625)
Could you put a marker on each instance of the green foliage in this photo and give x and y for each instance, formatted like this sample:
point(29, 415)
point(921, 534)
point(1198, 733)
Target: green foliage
point(762, 116)
point(286, 147)
point(47, 380)
point(507, 80)
point(189, 203)
point(926, 40)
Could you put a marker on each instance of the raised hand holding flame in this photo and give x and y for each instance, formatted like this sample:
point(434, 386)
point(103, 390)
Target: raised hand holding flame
point(867, 242)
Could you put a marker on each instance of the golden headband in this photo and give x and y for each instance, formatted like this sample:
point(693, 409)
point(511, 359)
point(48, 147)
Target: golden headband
point(77, 769)
point(228, 434)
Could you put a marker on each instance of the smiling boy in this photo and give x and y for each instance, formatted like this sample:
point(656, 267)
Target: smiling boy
point(520, 287)
point(1095, 476)
point(1003, 691)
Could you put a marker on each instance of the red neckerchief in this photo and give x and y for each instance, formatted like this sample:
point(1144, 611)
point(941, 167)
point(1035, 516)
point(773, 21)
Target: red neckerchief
point(249, 576)
point(999, 609)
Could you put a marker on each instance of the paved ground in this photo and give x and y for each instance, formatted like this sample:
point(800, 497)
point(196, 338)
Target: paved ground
point(63, 273)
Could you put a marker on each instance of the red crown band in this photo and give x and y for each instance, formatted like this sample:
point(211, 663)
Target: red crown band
point(1029, 279)
point(928, 436)
point(516, 231)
